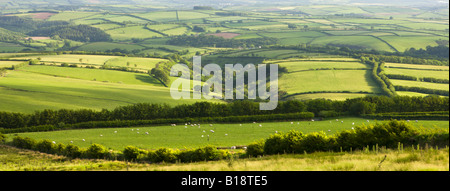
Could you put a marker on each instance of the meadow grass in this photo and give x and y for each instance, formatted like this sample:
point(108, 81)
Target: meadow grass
point(401, 43)
point(328, 80)
point(71, 58)
point(367, 42)
point(135, 62)
point(431, 159)
point(25, 92)
point(406, 93)
point(9, 64)
point(104, 46)
point(186, 136)
point(416, 66)
point(331, 96)
point(309, 65)
point(95, 75)
point(418, 73)
point(428, 85)
point(132, 32)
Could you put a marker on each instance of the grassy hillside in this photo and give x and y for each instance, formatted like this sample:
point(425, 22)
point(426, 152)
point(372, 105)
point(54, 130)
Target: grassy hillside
point(26, 91)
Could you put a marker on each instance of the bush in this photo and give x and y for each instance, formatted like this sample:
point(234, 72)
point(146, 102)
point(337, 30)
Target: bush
point(96, 151)
point(24, 143)
point(2, 138)
point(256, 148)
point(132, 153)
point(317, 141)
point(207, 153)
point(72, 151)
point(163, 155)
point(275, 144)
point(45, 146)
point(282, 143)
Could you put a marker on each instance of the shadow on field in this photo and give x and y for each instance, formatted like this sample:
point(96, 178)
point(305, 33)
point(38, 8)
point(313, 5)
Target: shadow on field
point(148, 79)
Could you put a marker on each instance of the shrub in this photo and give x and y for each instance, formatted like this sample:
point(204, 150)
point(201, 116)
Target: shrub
point(72, 151)
point(317, 141)
point(24, 143)
point(45, 146)
point(96, 151)
point(2, 138)
point(256, 148)
point(132, 153)
point(275, 144)
point(163, 155)
point(207, 153)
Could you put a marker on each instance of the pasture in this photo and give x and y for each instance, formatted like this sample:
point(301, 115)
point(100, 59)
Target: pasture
point(328, 80)
point(184, 136)
point(23, 91)
point(418, 73)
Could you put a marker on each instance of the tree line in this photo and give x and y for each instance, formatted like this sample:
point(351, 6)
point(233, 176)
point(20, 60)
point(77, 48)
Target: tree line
point(54, 29)
point(414, 78)
point(147, 111)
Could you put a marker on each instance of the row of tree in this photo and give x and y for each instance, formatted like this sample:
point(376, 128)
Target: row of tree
point(378, 75)
point(146, 111)
point(414, 78)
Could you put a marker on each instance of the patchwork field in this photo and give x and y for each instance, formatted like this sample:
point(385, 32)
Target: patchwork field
point(24, 91)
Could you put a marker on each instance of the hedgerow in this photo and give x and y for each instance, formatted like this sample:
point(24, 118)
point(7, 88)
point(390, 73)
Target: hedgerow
point(387, 134)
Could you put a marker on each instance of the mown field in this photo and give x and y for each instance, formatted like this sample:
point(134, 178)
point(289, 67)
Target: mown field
point(187, 136)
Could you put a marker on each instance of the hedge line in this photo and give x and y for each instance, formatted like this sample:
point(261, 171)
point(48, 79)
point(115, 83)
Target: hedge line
point(437, 115)
point(422, 90)
point(388, 134)
point(130, 123)
point(130, 153)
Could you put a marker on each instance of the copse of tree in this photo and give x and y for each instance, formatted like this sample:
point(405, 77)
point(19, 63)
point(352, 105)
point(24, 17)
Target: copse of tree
point(441, 51)
point(83, 33)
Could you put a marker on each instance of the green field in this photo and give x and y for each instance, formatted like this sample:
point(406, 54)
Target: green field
point(418, 73)
point(181, 136)
point(26, 92)
point(311, 65)
point(428, 85)
point(9, 64)
point(416, 66)
point(328, 80)
point(104, 46)
point(128, 33)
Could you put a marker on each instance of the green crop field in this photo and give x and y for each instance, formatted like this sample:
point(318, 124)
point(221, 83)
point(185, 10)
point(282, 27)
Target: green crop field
point(132, 32)
point(311, 65)
point(104, 46)
point(428, 85)
point(26, 92)
point(9, 64)
point(328, 80)
point(416, 66)
point(187, 136)
point(418, 73)
point(94, 75)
